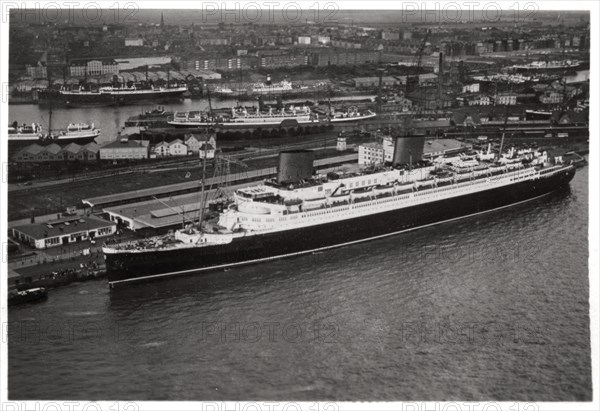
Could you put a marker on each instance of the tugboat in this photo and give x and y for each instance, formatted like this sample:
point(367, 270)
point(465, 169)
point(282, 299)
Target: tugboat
point(27, 296)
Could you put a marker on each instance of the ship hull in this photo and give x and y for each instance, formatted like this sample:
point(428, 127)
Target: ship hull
point(269, 123)
point(257, 124)
point(112, 99)
point(124, 268)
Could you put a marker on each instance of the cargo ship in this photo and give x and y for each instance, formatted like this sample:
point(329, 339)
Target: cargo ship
point(110, 95)
point(299, 212)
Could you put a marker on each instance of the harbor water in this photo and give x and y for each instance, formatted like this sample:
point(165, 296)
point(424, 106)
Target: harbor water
point(492, 307)
point(109, 120)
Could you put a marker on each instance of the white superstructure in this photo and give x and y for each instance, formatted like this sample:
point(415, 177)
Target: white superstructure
point(273, 207)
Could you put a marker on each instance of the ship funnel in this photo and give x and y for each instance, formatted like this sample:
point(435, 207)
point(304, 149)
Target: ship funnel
point(408, 150)
point(295, 165)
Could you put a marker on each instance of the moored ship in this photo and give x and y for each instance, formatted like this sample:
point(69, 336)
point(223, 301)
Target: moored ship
point(80, 133)
point(242, 118)
point(24, 132)
point(268, 87)
point(351, 115)
point(111, 95)
point(299, 213)
point(546, 66)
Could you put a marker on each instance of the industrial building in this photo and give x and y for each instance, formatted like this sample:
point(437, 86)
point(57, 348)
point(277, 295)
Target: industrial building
point(124, 149)
point(63, 231)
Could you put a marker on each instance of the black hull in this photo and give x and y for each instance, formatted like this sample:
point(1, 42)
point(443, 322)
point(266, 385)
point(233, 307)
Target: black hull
point(127, 267)
point(101, 100)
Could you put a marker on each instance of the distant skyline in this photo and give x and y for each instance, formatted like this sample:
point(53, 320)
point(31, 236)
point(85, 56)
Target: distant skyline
point(293, 17)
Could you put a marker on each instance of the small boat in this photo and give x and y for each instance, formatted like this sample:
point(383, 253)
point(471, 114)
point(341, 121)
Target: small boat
point(27, 296)
point(351, 115)
point(78, 131)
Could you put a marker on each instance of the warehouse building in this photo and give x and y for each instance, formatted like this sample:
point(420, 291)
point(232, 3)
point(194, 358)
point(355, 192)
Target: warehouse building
point(124, 149)
point(64, 231)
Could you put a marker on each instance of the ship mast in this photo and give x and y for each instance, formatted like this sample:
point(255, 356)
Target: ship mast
point(50, 119)
point(202, 182)
point(503, 132)
point(505, 122)
point(209, 101)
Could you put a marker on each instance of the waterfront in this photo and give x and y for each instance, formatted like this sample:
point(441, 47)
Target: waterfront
point(504, 307)
point(108, 119)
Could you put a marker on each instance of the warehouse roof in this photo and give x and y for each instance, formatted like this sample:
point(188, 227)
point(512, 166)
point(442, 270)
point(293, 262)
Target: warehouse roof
point(63, 226)
point(126, 144)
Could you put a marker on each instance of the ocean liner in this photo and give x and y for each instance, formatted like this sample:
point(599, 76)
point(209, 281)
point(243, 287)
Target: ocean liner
point(299, 212)
point(241, 118)
point(21, 136)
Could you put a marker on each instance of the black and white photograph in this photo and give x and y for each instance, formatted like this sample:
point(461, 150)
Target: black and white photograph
point(284, 206)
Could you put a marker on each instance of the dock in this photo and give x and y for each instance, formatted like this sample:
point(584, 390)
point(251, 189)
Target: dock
point(170, 190)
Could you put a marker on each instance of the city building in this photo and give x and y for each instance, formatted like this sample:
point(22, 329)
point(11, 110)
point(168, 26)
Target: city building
point(390, 35)
point(37, 71)
point(161, 149)
point(63, 231)
point(346, 44)
point(479, 100)
point(506, 99)
point(331, 57)
point(388, 149)
point(370, 154)
point(134, 42)
point(177, 148)
point(283, 60)
point(93, 68)
point(551, 97)
point(370, 82)
point(193, 142)
point(124, 149)
point(471, 88)
point(323, 40)
point(226, 63)
point(206, 151)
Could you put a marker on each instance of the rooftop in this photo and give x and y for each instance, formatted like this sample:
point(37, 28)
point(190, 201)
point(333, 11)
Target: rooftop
point(64, 226)
point(126, 144)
